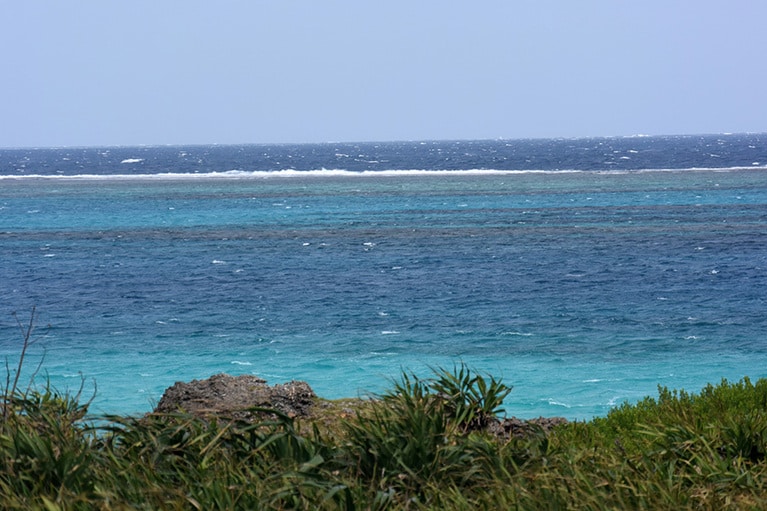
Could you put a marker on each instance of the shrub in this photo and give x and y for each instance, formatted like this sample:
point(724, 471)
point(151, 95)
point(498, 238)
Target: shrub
point(426, 431)
point(471, 400)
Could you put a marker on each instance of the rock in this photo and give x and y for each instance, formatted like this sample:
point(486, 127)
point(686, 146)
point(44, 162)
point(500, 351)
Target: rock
point(520, 428)
point(232, 396)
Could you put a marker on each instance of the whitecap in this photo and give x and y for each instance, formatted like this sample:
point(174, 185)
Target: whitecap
point(389, 332)
point(132, 160)
point(216, 261)
point(239, 363)
point(289, 173)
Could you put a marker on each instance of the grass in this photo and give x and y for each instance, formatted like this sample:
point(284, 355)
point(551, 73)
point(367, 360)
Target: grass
point(415, 447)
point(423, 444)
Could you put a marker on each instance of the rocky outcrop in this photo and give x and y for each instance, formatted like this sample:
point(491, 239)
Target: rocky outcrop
point(519, 428)
point(234, 397)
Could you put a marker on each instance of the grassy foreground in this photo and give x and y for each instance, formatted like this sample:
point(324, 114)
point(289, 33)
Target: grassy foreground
point(423, 445)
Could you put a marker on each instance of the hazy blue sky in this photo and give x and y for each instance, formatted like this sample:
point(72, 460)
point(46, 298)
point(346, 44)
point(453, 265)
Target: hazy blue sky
point(91, 72)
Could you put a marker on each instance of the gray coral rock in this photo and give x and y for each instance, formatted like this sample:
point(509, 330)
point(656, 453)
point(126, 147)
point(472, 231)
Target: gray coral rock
point(233, 396)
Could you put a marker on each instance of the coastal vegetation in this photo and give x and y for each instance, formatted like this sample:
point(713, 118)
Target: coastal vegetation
point(427, 443)
point(424, 444)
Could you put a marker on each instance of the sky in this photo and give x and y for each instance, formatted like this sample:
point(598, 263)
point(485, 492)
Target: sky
point(96, 73)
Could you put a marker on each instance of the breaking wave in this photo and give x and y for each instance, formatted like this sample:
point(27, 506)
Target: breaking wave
point(340, 173)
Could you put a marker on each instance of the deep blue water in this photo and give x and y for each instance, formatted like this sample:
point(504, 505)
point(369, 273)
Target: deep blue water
point(624, 153)
point(584, 272)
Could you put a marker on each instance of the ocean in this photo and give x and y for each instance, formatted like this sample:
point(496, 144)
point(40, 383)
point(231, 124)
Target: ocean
point(583, 272)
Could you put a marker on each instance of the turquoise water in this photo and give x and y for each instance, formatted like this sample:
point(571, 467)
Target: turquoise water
point(580, 289)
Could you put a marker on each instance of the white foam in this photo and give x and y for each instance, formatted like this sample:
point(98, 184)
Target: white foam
point(325, 173)
point(132, 160)
point(553, 402)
